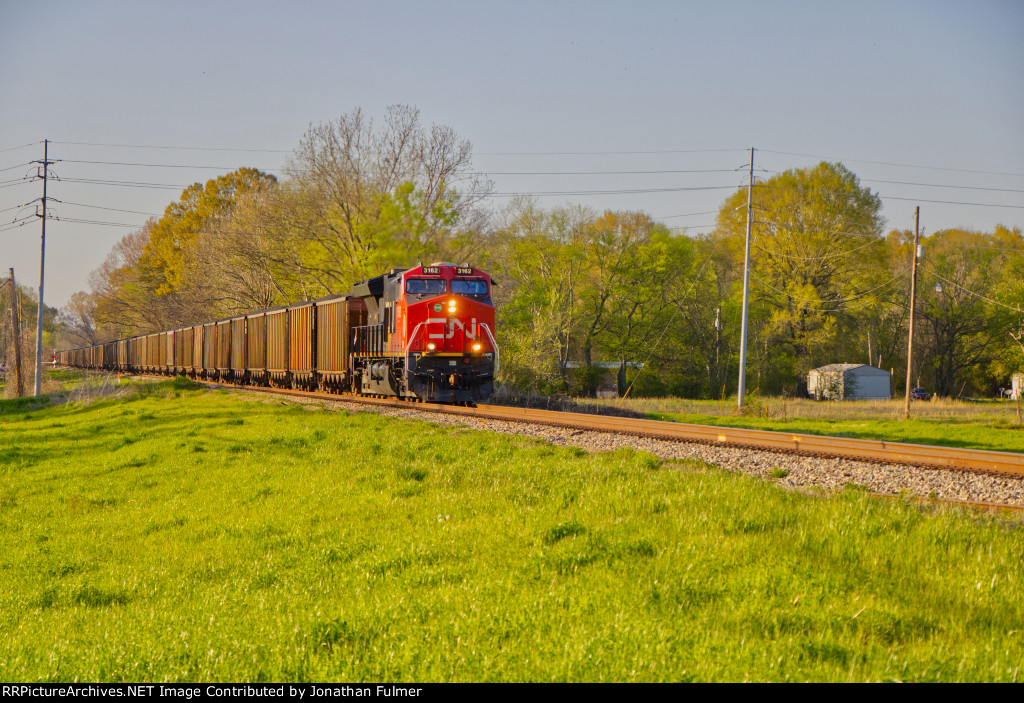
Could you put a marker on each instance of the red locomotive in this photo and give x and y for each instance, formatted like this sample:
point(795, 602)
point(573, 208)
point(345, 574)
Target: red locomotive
point(425, 333)
point(429, 334)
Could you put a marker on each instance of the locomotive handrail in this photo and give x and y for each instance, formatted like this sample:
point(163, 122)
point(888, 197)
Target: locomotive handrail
point(408, 347)
point(494, 346)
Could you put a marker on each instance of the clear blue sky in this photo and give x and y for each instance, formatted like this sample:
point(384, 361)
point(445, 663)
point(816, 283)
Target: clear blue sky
point(937, 84)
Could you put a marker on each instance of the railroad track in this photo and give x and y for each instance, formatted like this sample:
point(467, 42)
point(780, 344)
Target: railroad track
point(968, 461)
point(1004, 464)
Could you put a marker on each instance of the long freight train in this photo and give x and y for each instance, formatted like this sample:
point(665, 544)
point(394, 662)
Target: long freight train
point(424, 333)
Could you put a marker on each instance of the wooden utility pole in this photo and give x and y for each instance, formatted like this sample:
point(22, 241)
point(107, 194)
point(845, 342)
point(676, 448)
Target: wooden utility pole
point(913, 295)
point(19, 381)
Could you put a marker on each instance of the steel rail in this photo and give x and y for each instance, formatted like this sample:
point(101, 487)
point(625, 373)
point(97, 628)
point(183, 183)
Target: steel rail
point(979, 460)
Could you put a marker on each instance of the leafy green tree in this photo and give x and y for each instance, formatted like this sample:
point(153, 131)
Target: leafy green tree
point(637, 268)
point(817, 256)
point(967, 328)
point(201, 207)
point(585, 288)
point(160, 275)
point(1008, 291)
point(538, 262)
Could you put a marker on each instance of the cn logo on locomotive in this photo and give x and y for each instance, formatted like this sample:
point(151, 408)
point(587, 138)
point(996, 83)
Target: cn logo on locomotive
point(452, 324)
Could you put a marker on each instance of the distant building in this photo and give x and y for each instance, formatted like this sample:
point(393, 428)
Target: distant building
point(849, 382)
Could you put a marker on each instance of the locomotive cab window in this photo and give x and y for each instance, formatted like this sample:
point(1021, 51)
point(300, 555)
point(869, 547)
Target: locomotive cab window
point(469, 286)
point(425, 286)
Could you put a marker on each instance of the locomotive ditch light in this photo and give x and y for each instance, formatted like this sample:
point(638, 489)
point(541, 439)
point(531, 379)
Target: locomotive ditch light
point(476, 347)
point(431, 346)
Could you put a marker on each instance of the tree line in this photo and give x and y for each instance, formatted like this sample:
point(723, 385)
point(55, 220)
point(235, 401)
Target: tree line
point(578, 290)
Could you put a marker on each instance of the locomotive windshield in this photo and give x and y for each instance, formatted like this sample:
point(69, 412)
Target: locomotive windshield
point(472, 286)
point(424, 286)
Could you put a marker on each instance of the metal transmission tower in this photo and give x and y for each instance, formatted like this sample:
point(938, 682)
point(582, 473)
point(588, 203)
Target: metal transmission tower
point(42, 265)
point(742, 390)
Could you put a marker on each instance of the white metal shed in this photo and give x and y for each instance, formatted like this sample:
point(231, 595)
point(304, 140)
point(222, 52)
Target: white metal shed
point(849, 382)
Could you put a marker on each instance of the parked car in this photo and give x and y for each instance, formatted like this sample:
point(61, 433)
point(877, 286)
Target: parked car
point(919, 394)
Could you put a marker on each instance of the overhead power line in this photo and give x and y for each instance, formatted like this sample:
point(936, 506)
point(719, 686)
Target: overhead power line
point(968, 291)
point(602, 153)
point(890, 163)
point(112, 209)
point(469, 173)
point(125, 184)
point(689, 214)
point(23, 146)
point(126, 163)
point(950, 202)
point(607, 192)
point(876, 237)
point(941, 185)
point(17, 207)
point(690, 228)
point(19, 219)
point(77, 220)
point(17, 180)
point(550, 153)
point(604, 173)
point(17, 222)
point(888, 197)
point(182, 148)
point(931, 185)
point(9, 168)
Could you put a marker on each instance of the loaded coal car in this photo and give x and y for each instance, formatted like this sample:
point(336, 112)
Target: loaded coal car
point(425, 333)
point(277, 347)
point(428, 335)
point(336, 317)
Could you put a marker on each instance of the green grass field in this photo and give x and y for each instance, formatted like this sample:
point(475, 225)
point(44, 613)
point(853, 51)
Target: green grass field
point(187, 535)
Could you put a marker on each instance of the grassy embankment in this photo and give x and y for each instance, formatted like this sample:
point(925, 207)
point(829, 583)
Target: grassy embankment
point(184, 535)
point(981, 425)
